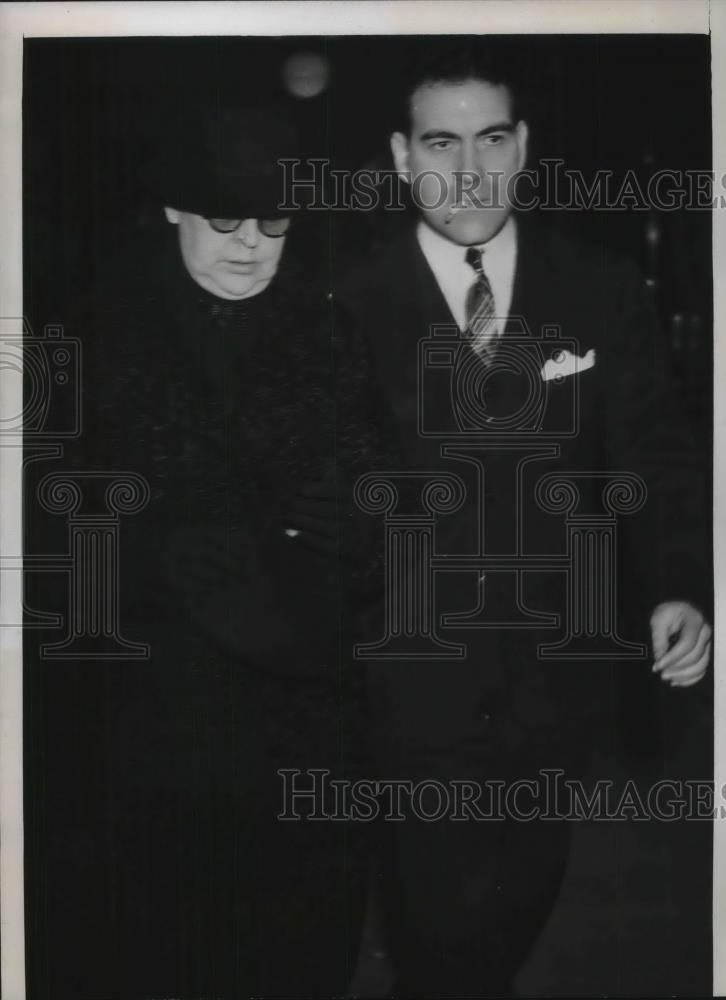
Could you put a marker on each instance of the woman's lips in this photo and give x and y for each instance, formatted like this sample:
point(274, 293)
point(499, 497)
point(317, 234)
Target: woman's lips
point(240, 267)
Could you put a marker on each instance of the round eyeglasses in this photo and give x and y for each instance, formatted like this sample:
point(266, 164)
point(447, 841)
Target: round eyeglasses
point(268, 227)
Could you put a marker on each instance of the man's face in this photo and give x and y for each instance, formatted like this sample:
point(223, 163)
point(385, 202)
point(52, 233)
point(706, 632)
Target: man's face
point(461, 128)
point(233, 265)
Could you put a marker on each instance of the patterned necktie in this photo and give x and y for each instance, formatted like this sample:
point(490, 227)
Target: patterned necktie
point(481, 323)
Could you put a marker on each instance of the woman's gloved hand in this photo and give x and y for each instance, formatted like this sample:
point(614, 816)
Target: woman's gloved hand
point(323, 518)
point(256, 594)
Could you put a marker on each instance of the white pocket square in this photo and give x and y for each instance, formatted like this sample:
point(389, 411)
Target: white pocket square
point(564, 363)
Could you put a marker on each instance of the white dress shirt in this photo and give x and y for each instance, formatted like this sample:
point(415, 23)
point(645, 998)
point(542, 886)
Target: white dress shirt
point(455, 277)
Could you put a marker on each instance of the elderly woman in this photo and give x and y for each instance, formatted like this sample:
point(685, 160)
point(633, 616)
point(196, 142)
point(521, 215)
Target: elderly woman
point(218, 368)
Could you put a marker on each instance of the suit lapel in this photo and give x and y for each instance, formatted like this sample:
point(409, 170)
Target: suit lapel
point(415, 293)
point(405, 306)
point(535, 282)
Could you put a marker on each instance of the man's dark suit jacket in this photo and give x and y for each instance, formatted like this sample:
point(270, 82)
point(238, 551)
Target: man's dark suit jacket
point(627, 420)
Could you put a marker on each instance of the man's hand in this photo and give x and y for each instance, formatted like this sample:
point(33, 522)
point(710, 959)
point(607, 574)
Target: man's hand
point(681, 643)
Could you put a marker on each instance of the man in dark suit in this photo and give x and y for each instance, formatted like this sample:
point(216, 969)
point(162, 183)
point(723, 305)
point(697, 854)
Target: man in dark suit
point(513, 415)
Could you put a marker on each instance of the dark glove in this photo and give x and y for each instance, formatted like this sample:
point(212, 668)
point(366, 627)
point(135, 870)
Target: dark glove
point(325, 520)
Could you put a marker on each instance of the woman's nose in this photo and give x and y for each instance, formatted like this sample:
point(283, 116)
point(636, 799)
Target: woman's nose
point(248, 232)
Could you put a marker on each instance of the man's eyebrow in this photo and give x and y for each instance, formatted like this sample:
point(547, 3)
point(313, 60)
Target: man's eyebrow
point(439, 133)
point(499, 127)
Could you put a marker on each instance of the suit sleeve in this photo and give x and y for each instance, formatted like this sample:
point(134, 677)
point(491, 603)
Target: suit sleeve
point(647, 432)
point(366, 442)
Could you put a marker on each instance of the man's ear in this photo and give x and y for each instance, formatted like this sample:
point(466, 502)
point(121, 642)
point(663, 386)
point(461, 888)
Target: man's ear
point(399, 149)
point(522, 135)
point(172, 215)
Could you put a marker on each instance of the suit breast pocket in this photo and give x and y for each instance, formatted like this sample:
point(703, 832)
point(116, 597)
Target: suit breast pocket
point(568, 405)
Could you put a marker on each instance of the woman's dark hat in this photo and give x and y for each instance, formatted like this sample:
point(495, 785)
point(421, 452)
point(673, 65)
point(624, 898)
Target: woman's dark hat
point(223, 162)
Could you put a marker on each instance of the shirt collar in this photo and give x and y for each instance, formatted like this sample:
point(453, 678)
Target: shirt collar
point(454, 276)
point(499, 248)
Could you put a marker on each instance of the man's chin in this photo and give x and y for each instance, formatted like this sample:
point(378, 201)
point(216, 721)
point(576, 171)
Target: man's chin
point(468, 227)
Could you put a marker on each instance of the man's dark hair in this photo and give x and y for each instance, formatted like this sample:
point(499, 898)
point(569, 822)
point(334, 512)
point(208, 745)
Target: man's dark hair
point(490, 60)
